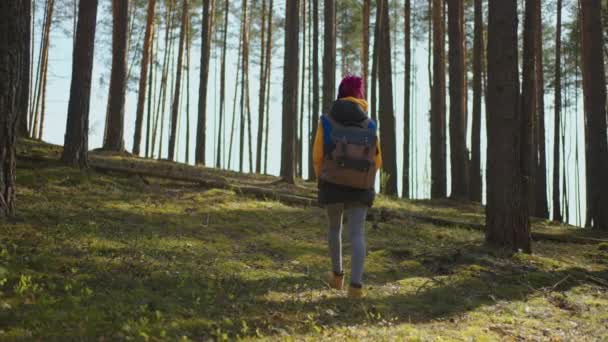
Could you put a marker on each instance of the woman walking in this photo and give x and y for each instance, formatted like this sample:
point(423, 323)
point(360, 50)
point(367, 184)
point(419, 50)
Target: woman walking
point(346, 157)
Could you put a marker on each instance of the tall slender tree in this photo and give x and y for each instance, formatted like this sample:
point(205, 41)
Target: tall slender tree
point(178, 81)
point(24, 96)
point(262, 93)
point(329, 55)
point(541, 208)
point(367, 4)
point(37, 115)
point(528, 105)
point(507, 221)
point(315, 79)
point(15, 19)
point(143, 75)
point(438, 106)
point(207, 27)
point(458, 94)
point(594, 88)
point(290, 88)
point(222, 112)
point(557, 213)
point(269, 45)
point(385, 104)
point(76, 143)
point(114, 140)
point(407, 29)
point(475, 182)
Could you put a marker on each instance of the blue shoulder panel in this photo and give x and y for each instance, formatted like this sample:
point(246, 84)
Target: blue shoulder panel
point(327, 129)
point(372, 125)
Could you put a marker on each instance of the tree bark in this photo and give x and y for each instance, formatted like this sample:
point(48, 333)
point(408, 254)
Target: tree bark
point(315, 77)
point(76, 143)
point(557, 213)
point(374, 84)
point(262, 93)
point(329, 55)
point(365, 43)
point(438, 106)
point(594, 88)
point(407, 29)
point(222, 113)
point(15, 19)
point(475, 182)
point(290, 83)
point(114, 140)
point(541, 208)
point(207, 28)
point(43, 58)
point(385, 104)
point(507, 221)
point(178, 82)
point(143, 75)
point(24, 96)
point(269, 83)
point(458, 93)
point(528, 105)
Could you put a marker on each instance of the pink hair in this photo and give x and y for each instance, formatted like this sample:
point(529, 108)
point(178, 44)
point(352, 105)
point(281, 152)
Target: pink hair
point(351, 86)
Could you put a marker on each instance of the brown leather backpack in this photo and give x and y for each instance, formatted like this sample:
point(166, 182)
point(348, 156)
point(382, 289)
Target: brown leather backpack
point(349, 152)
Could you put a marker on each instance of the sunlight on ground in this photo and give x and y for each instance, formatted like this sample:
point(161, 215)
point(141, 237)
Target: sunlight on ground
point(108, 257)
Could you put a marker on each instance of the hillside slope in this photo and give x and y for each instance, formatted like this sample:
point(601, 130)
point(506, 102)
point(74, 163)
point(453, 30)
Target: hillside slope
point(107, 256)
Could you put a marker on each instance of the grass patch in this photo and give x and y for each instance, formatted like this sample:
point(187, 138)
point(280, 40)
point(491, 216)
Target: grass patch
point(99, 257)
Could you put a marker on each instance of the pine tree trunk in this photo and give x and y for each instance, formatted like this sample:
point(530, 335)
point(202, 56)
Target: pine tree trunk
point(507, 221)
point(329, 55)
point(222, 113)
point(244, 90)
point(262, 93)
point(300, 143)
point(188, 67)
point(315, 78)
point(42, 71)
point(178, 82)
point(367, 4)
point(528, 105)
point(151, 94)
point(76, 143)
point(269, 83)
point(207, 27)
point(475, 181)
point(541, 208)
point(373, 87)
point(15, 19)
point(458, 93)
point(290, 81)
point(159, 125)
point(236, 88)
point(143, 75)
point(114, 140)
point(557, 213)
point(24, 96)
point(438, 107)
point(385, 104)
point(594, 88)
point(407, 29)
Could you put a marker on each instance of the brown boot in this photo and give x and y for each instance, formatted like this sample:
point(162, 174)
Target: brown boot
point(334, 281)
point(355, 292)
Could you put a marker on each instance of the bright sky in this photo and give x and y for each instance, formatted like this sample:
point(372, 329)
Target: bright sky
point(60, 58)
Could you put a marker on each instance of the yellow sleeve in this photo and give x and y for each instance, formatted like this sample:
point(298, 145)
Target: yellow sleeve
point(317, 151)
point(378, 158)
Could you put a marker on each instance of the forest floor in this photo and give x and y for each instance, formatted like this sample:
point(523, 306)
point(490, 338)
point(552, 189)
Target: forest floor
point(106, 256)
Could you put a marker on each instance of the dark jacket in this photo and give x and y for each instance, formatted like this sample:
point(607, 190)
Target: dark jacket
point(344, 112)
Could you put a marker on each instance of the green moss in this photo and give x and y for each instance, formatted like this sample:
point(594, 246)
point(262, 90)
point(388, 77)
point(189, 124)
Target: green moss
point(99, 257)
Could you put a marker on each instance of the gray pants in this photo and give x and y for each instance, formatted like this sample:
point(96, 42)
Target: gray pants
point(355, 215)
